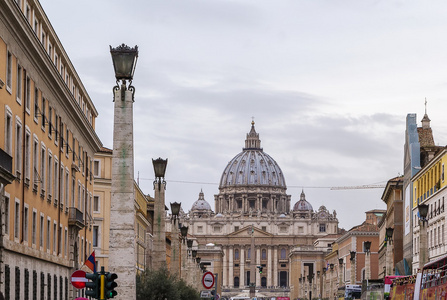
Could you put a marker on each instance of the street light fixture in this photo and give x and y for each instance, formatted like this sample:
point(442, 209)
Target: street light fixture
point(367, 246)
point(175, 209)
point(160, 170)
point(389, 233)
point(189, 243)
point(194, 253)
point(184, 231)
point(331, 266)
point(340, 261)
point(124, 61)
point(423, 211)
point(352, 253)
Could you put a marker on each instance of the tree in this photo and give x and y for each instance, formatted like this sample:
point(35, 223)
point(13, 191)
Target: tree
point(159, 284)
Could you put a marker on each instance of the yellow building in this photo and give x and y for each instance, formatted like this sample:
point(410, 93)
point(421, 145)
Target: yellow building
point(429, 187)
point(102, 171)
point(48, 130)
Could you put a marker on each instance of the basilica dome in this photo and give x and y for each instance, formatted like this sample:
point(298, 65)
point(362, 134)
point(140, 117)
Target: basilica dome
point(302, 204)
point(252, 166)
point(201, 204)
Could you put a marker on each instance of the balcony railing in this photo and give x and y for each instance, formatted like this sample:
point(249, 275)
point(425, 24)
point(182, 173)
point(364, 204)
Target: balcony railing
point(75, 217)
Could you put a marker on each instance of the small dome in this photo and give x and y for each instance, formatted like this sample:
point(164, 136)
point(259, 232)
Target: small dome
point(201, 203)
point(302, 204)
point(282, 215)
point(219, 215)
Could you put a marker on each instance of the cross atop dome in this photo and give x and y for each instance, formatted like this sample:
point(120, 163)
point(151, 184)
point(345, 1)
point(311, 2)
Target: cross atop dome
point(252, 141)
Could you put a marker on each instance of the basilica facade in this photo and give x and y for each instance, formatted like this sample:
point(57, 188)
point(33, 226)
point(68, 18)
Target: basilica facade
point(254, 236)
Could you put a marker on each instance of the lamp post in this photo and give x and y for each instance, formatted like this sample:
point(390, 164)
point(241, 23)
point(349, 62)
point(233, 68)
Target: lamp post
point(184, 253)
point(122, 258)
point(323, 286)
point(368, 260)
point(159, 252)
point(423, 257)
point(318, 284)
point(175, 248)
point(331, 276)
point(352, 261)
point(389, 258)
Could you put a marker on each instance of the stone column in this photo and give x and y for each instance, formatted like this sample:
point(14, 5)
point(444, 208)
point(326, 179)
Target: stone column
point(230, 267)
point(368, 265)
point(269, 266)
point(122, 256)
point(159, 250)
point(275, 266)
point(353, 271)
point(258, 263)
point(242, 269)
point(423, 255)
point(175, 250)
point(225, 267)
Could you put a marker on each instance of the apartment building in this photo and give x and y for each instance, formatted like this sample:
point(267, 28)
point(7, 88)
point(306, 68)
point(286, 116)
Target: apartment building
point(49, 132)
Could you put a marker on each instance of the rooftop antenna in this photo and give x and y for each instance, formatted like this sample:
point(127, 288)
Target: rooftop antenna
point(425, 105)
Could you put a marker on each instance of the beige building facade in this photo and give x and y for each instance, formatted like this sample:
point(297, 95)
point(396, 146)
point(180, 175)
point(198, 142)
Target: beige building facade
point(252, 201)
point(48, 129)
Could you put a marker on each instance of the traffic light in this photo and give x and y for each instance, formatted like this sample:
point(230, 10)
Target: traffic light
point(213, 294)
point(92, 286)
point(110, 285)
point(260, 269)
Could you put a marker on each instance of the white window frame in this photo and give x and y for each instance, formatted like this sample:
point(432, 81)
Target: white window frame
point(56, 181)
point(7, 211)
point(48, 239)
point(98, 202)
point(54, 237)
point(28, 94)
point(26, 224)
point(18, 147)
point(28, 141)
point(36, 155)
point(97, 173)
point(43, 161)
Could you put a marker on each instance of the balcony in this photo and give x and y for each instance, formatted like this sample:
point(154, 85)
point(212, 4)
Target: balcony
point(6, 175)
point(75, 217)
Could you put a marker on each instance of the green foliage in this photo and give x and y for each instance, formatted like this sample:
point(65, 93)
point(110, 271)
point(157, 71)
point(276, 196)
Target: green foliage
point(159, 284)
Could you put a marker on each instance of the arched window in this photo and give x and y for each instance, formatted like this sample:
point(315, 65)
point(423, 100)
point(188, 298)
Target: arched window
point(236, 254)
point(283, 253)
point(264, 254)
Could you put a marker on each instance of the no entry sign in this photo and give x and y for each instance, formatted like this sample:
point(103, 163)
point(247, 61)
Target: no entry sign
point(78, 279)
point(208, 280)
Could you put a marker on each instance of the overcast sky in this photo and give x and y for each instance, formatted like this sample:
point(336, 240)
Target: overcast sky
point(329, 84)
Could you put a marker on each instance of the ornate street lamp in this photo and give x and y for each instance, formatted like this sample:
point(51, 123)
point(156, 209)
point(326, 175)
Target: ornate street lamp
point(423, 211)
point(160, 170)
point(367, 246)
point(331, 266)
point(352, 253)
point(318, 273)
point(389, 233)
point(189, 243)
point(124, 61)
point(122, 210)
point(194, 253)
point(184, 231)
point(340, 261)
point(175, 209)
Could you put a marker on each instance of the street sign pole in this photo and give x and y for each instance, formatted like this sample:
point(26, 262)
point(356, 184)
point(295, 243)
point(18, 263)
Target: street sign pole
point(215, 286)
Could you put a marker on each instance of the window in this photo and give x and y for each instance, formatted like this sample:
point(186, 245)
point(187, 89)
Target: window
point(56, 181)
point(96, 204)
point(50, 175)
point(19, 84)
point(44, 108)
point(25, 224)
point(249, 253)
point(50, 121)
point(200, 229)
point(236, 228)
point(34, 228)
point(28, 94)
point(322, 227)
point(36, 177)
point(59, 248)
point(66, 242)
point(18, 151)
point(54, 236)
point(236, 254)
point(95, 236)
point(67, 190)
point(264, 254)
point(27, 156)
point(41, 231)
point(17, 219)
point(6, 213)
point(96, 168)
point(9, 72)
point(48, 234)
point(283, 253)
point(264, 228)
point(36, 104)
point(8, 131)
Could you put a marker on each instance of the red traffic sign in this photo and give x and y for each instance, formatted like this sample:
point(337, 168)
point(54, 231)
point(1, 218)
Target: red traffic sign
point(78, 279)
point(208, 280)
